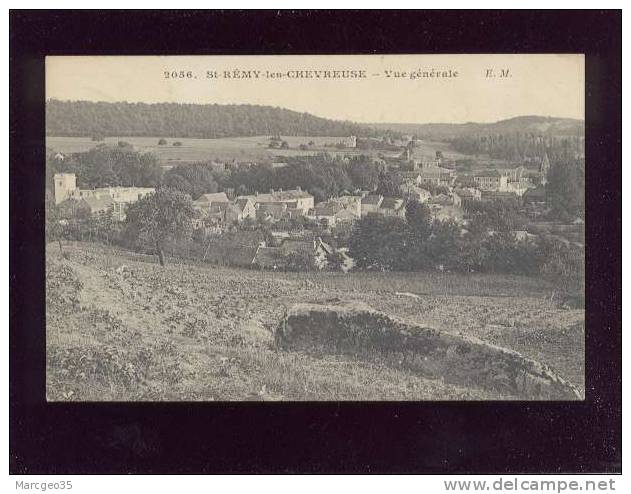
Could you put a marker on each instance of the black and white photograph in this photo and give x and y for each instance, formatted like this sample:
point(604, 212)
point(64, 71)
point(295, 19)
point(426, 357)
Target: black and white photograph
point(315, 228)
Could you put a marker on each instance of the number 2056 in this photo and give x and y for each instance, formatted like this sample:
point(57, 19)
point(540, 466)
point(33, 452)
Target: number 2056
point(178, 74)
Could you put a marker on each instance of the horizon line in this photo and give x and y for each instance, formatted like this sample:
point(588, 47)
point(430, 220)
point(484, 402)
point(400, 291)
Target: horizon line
point(388, 122)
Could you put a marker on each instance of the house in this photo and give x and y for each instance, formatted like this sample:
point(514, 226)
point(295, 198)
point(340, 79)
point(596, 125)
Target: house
point(241, 209)
point(322, 252)
point(519, 188)
point(452, 199)
point(271, 212)
point(86, 206)
point(352, 204)
point(514, 174)
point(313, 251)
point(207, 200)
point(392, 206)
point(283, 256)
point(436, 175)
point(468, 195)
point(215, 214)
point(325, 212)
point(345, 216)
point(414, 192)
point(535, 196)
point(491, 181)
point(371, 204)
point(348, 142)
point(302, 199)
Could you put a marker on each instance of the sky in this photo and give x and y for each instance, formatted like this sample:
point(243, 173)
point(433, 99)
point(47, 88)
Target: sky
point(547, 85)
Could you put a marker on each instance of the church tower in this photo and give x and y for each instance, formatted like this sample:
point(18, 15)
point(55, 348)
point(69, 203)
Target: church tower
point(544, 168)
point(65, 186)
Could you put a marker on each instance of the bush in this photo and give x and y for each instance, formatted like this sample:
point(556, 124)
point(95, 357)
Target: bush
point(177, 143)
point(162, 142)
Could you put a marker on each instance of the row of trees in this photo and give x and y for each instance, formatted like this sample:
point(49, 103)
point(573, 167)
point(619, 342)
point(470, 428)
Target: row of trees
point(418, 243)
point(322, 175)
point(107, 166)
point(518, 146)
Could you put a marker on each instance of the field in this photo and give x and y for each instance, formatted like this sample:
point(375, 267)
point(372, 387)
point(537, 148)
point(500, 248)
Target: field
point(121, 328)
point(239, 148)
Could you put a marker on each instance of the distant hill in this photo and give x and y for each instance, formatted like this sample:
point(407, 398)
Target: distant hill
point(526, 124)
point(86, 119)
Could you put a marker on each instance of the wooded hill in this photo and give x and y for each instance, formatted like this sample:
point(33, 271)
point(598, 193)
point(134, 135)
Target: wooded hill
point(88, 119)
point(532, 124)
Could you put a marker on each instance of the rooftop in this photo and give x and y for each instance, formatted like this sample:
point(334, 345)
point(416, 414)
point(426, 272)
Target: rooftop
point(374, 199)
point(391, 203)
point(214, 197)
point(489, 173)
point(99, 203)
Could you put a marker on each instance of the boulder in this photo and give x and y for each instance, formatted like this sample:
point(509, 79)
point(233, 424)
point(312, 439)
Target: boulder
point(360, 331)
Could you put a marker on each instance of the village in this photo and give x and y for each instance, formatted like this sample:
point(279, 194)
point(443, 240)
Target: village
point(298, 225)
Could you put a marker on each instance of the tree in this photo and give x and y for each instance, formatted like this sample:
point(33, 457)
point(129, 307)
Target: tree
point(193, 179)
point(419, 218)
point(389, 185)
point(363, 172)
point(566, 189)
point(54, 228)
point(444, 246)
point(160, 217)
point(107, 166)
point(379, 242)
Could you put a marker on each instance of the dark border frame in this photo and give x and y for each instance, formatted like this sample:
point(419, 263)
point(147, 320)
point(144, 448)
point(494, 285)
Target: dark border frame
point(386, 437)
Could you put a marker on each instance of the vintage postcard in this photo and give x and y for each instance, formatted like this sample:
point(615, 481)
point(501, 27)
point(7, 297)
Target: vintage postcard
point(320, 228)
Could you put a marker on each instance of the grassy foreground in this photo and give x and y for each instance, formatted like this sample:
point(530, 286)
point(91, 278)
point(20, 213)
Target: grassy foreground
point(121, 328)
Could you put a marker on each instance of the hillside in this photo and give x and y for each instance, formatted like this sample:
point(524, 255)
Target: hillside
point(538, 125)
point(87, 119)
point(119, 327)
